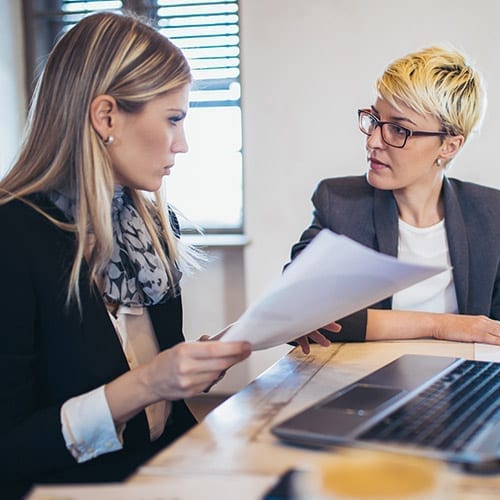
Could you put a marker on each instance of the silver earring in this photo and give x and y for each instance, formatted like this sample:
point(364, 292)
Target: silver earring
point(109, 140)
point(438, 162)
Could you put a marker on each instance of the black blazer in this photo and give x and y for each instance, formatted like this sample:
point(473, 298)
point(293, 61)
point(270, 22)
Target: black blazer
point(50, 353)
point(351, 206)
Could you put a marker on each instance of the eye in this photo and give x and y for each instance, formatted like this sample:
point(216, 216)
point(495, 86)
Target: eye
point(397, 130)
point(175, 119)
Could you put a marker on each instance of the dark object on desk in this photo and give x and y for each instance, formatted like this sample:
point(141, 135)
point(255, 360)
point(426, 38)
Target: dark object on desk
point(283, 489)
point(445, 408)
point(484, 469)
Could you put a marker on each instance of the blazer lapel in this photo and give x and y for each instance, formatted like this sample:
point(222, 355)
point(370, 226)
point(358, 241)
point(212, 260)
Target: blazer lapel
point(457, 244)
point(385, 219)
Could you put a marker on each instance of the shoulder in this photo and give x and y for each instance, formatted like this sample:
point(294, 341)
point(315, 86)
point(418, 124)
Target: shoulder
point(27, 207)
point(350, 184)
point(14, 213)
point(470, 192)
point(350, 190)
point(21, 221)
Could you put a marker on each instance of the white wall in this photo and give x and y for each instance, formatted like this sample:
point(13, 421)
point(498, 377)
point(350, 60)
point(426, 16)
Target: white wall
point(12, 95)
point(307, 66)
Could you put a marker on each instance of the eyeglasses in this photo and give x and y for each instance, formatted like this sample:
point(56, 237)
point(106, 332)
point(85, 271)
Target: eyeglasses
point(392, 134)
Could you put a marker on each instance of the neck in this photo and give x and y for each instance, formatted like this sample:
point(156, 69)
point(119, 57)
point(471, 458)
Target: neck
point(421, 207)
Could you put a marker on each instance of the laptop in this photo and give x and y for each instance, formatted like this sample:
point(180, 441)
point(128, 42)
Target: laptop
point(434, 406)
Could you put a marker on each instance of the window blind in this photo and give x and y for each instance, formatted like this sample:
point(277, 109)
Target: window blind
point(207, 31)
point(208, 34)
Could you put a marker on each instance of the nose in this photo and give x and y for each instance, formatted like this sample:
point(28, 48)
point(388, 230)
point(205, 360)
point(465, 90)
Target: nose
point(375, 139)
point(180, 144)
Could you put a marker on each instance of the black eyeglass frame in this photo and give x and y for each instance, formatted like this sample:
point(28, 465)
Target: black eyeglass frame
point(408, 132)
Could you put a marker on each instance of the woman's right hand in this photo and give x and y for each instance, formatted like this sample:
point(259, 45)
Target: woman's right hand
point(190, 367)
point(176, 373)
point(388, 324)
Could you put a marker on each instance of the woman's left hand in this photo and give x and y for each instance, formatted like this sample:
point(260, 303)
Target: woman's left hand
point(317, 337)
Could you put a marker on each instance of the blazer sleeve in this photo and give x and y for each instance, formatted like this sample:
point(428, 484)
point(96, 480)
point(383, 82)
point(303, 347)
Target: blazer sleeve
point(24, 423)
point(495, 305)
point(329, 212)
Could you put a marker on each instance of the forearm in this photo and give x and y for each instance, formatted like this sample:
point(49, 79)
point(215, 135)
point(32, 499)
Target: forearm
point(128, 395)
point(387, 324)
point(353, 328)
point(33, 447)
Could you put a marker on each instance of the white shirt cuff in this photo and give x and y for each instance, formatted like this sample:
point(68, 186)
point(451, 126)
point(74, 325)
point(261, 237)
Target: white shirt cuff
point(87, 426)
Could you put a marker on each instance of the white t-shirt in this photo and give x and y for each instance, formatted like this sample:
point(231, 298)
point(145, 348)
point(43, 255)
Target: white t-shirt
point(429, 246)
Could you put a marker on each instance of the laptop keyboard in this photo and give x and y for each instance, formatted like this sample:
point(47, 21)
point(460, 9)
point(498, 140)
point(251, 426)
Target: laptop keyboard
point(447, 415)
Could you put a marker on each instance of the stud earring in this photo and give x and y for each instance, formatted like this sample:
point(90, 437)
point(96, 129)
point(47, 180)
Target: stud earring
point(109, 140)
point(439, 162)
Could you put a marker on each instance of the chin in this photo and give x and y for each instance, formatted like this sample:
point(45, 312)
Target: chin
point(149, 188)
point(153, 185)
point(377, 181)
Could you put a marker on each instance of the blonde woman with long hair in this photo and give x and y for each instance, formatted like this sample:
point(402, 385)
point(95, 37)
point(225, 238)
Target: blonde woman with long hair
point(428, 103)
point(94, 367)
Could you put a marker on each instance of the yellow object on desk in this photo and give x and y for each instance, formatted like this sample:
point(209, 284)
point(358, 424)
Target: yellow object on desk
point(366, 474)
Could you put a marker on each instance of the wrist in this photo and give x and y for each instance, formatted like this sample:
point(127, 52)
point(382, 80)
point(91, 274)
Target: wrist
point(437, 324)
point(129, 394)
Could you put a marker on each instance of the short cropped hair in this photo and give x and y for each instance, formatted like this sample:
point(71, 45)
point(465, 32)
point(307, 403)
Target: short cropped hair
point(437, 81)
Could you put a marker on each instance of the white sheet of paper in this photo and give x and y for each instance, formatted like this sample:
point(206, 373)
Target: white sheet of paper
point(333, 277)
point(487, 352)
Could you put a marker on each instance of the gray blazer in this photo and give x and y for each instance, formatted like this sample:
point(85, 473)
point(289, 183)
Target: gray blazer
point(350, 206)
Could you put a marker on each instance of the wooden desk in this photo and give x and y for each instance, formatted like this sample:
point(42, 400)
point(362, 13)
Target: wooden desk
point(232, 454)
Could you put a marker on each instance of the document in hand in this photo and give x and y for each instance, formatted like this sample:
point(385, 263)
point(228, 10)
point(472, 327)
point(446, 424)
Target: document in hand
point(332, 277)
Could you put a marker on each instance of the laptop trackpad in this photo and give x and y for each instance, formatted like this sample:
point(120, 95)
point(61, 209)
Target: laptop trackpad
point(363, 398)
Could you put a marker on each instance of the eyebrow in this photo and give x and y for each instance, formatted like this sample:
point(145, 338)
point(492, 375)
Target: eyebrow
point(183, 112)
point(395, 118)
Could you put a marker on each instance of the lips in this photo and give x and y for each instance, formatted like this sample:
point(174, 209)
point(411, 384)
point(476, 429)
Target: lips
point(377, 164)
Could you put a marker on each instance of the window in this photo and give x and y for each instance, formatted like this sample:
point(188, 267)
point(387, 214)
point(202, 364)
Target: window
point(207, 183)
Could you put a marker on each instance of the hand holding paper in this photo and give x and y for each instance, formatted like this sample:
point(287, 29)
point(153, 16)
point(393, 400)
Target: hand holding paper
point(333, 277)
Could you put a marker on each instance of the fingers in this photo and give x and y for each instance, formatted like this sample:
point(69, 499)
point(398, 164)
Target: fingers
point(304, 344)
point(493, 330)
point(218, 379)
point(333, 327)
point(190, 367)
point(210, 349)
point(203, 362)
point(468, 328)
point(319, 338)
point(218, 335)
point(316, 337)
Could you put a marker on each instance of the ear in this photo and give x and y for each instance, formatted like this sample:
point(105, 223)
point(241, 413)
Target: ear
point(103, 110)
point(450, 147)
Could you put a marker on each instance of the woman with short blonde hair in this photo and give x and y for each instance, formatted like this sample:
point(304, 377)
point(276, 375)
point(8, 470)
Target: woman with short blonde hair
point(427, 105)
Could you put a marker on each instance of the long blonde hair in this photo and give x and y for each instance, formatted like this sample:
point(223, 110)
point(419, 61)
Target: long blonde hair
point(105, 53)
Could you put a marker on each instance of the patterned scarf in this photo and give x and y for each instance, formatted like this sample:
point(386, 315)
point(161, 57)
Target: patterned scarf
point(135, 276)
